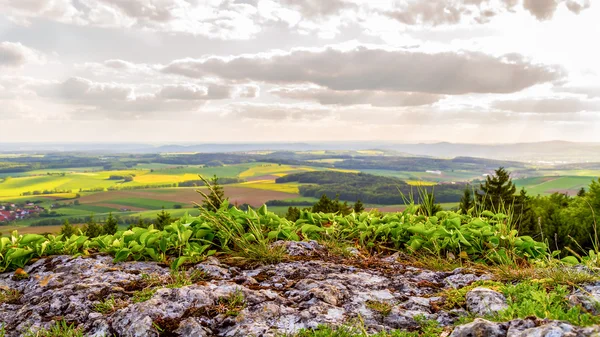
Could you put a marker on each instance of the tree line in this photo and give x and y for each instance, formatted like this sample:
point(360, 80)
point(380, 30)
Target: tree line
point(369, 188)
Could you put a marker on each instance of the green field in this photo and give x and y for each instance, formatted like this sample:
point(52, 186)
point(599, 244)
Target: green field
point(144, 203)
point(549, 185)
point(259, 185)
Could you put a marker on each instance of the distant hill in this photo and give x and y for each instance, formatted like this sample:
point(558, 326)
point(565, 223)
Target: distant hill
point(557, 152)
point(552, 151)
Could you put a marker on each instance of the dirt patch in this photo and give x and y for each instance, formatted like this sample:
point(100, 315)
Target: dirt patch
point(240, 195)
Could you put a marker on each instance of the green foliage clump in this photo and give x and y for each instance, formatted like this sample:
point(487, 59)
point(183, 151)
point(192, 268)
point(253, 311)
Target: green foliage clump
point(531, 298)
point(427, 328)
point(250, 234)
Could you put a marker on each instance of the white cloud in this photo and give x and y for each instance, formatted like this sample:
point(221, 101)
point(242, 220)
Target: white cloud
point(91, 100)
point(16, 55)
point(377, 69)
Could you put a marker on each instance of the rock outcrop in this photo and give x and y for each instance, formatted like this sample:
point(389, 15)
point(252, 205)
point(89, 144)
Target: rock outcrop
point(227, 300)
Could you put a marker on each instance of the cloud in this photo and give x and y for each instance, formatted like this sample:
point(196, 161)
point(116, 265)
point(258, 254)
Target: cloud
point(591, 91)
point(211, 18)
point(451, 12)
point(548, 105)
point(318, 8)
point(352, 97)
point(121, 101)
point(149, 10)
point(544, 9)
point(278, 112)
point(16, 55)
point(452, 73)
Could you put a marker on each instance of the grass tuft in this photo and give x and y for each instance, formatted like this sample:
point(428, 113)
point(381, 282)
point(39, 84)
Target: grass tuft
point(383, 308)
point(232, 304)
point(9, 295)
point(58, 329)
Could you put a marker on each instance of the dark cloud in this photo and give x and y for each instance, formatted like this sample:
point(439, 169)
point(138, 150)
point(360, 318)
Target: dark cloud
point(548, 105)
point(353, 97)
point(452, 73)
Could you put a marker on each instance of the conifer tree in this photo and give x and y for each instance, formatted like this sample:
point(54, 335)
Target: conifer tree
point(323, 205)
point(67, 230)
point(92, 229)
point(581, 192)
point(293, 213)
point(358, 206)
point(162, 219)
point(466, 201)
point(111, 225)
point(498, 192)
point(215, 198)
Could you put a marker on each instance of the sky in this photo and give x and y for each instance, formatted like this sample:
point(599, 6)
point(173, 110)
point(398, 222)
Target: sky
point(197, 71)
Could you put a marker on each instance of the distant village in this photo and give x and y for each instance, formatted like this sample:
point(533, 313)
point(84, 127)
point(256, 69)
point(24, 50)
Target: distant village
point(11, 212)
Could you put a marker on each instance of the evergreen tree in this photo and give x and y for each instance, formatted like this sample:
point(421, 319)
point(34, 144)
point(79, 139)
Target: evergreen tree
point(341, 208)
point(466, 201)
point(498, 192)
point(162, 219)
point(581, 192)
point(67, 230)
point(92, 229)
point(293, 214)
point(111, 225)
point(358, 206)
point(324, 205)
point(215, 198)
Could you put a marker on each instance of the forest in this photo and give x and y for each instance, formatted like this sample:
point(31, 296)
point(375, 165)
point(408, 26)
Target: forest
point(367, 187)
